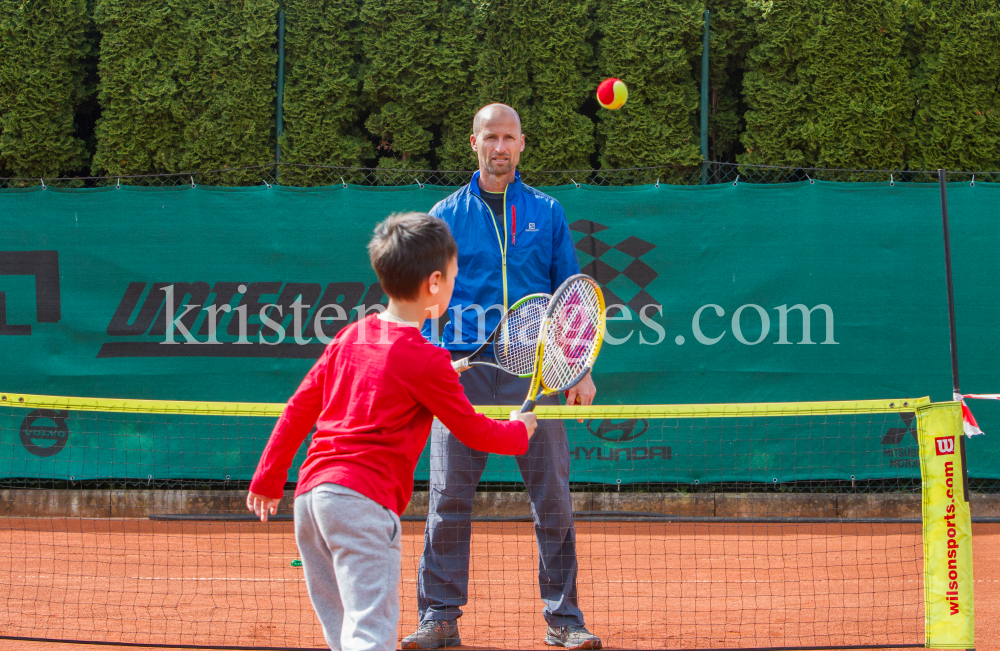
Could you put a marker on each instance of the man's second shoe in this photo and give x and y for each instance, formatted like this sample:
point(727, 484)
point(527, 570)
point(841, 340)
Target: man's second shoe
point(434, 635)
point(571, 637)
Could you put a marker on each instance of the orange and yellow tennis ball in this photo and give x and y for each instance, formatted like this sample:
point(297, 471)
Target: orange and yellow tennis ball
point(612, 93)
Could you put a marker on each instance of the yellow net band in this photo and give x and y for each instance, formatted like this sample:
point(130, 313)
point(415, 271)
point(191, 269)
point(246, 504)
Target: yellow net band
point(274, 409)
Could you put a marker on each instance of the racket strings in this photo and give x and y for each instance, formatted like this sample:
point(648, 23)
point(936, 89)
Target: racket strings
point(573, 334)
point(517, 339)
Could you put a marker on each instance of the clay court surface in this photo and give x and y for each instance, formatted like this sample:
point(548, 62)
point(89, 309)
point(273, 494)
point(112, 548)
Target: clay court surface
point(641, 585)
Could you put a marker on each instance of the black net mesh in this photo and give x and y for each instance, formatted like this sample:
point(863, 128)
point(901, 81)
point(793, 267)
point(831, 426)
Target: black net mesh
point(831, 556)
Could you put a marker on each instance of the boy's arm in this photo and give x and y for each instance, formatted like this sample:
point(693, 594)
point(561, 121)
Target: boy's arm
point(296, 421)
point(438, 389)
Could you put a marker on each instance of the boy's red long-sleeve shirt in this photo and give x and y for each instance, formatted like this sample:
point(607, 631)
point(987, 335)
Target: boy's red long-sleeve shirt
point(372, 396)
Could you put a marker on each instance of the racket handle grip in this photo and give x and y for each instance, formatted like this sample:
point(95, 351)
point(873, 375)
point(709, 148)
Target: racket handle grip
point(460, 364)
point(528, 406)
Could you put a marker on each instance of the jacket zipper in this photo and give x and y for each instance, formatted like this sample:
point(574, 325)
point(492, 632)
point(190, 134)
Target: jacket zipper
point(504, 252)
point(502, 241)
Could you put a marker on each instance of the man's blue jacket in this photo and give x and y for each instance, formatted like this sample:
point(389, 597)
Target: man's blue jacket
point(534, 253)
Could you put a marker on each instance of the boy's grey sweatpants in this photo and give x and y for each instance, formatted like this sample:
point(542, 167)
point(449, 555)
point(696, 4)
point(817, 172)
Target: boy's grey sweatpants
point(351, 555)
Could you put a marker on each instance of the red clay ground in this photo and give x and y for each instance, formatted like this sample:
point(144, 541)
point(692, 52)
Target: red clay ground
point(641, 585)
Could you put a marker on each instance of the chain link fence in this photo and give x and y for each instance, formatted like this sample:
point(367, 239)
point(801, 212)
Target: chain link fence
point(300, 175)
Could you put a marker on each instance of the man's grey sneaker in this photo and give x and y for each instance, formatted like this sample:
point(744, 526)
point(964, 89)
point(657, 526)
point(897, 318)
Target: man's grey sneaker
point(571, 637)
point(436, 634)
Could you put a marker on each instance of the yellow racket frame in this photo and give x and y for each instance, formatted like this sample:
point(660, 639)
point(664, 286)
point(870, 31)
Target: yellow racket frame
point(538, 387)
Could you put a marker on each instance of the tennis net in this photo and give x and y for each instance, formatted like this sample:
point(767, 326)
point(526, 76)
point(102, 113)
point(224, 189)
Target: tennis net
point(781, 525)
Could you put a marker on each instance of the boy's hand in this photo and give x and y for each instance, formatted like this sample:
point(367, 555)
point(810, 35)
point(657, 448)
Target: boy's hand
point(529, 419)
point(262, 505)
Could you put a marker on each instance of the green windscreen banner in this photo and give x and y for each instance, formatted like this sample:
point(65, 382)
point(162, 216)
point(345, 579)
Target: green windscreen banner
point(723, 294)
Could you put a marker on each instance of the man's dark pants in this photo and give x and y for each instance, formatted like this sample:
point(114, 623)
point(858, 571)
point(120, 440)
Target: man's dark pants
point(443, 578)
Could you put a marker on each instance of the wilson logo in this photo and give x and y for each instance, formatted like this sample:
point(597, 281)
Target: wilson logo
point(944, 445)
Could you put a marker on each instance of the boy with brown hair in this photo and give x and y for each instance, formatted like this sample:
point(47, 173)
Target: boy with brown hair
point(372, 396)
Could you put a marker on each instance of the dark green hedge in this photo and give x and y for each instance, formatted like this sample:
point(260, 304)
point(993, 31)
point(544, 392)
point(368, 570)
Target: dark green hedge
point(561, 67)
point(956, 82)
point(322, 100)
point(43, 46)
point(501, 70)
point(185, 85)
point(189, 84)
point(827, 85)
point(414, 74)
point(731, 39)
point(536, 56)
point(653, 46)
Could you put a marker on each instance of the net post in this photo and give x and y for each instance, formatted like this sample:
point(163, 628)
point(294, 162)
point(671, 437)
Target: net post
point(942, 183)
point(704, 105)
point(952, 329)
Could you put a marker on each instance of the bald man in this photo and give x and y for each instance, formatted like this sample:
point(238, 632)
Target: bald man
point(512, 241)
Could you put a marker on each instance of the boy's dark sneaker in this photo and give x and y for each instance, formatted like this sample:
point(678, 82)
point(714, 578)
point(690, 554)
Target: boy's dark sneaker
point(572, 637)
point(434, 635)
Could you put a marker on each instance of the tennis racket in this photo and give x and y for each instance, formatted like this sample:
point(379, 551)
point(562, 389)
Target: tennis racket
point(514, 340)
point(569, 339)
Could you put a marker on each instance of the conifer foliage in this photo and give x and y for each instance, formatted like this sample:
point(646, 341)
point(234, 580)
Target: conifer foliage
point(415, 74)
point(322, 94)
point(730, 36)
point(186, 85)
point(536, 56)
point(42, 48)
point(828, 84)
point(561, 67)
point(459, 37)
point(651, 45)
point(957, 85)
point(501, 66)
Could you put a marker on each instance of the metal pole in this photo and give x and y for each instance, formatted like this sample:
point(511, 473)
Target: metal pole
point(279, 126)
point(704, 105)
point(956, 391)
point(951, 293)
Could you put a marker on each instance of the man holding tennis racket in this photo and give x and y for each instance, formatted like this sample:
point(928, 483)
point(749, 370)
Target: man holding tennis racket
point(513, 241)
